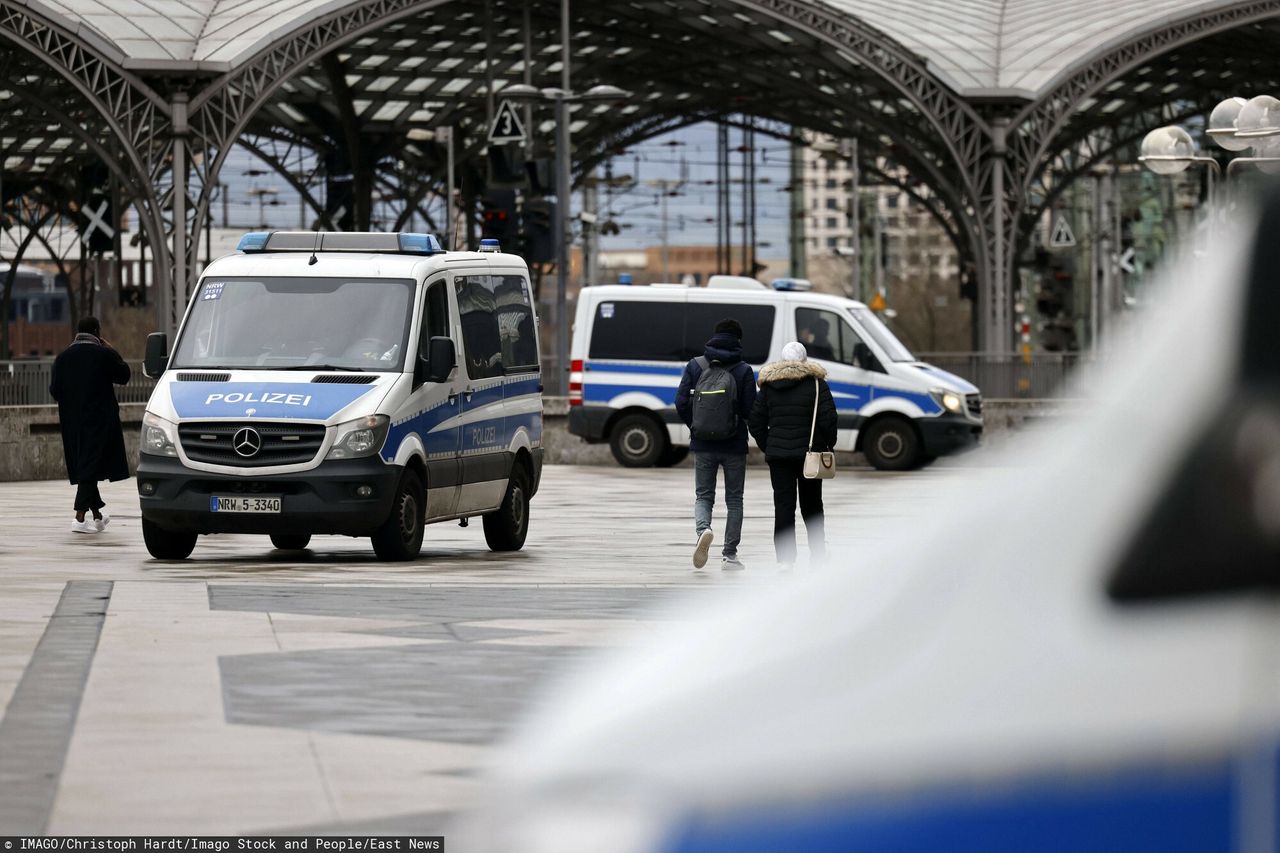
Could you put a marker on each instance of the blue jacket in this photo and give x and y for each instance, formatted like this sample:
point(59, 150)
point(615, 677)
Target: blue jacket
point(727, 350)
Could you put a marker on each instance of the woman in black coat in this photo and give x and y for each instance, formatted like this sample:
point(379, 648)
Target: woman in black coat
point(92, 439)
point(780, 423)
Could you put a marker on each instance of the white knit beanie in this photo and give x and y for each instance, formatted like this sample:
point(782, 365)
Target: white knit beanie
point(794, 351)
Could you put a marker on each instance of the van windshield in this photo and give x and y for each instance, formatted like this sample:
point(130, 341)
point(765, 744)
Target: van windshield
point(297, 323)
point(876, 328)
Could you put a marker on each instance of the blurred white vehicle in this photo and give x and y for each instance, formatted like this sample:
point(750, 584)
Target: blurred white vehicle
point(1082, 655)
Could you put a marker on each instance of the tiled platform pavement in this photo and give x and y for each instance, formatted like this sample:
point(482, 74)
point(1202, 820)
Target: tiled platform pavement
point(247, 690)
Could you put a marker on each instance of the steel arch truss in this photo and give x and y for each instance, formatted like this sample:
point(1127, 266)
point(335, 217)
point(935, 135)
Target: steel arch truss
point(1102, 106)
point(109, 114)
point(432, 63)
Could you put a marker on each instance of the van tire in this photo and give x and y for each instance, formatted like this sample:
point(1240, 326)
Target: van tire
point(290, 541)
point(638, 441)
point(674, 456)
point(167, 544)
point(400, 536)
point(891, 444)
point(506, 527)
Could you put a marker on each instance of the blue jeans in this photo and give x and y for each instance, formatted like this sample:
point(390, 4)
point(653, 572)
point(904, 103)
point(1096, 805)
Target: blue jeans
point(705, 467)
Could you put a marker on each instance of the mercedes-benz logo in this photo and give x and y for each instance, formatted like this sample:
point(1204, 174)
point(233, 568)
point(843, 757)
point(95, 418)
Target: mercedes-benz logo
point(246, 442)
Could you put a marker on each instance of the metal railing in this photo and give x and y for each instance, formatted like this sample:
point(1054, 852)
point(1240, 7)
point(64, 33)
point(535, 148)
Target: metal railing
point(1003, 376)
point(26, 383)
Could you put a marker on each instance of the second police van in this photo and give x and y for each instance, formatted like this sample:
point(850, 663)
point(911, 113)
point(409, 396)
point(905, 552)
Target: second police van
point(630, 346)
point(362, 384)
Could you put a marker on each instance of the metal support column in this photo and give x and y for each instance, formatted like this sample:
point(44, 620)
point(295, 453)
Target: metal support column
point(994, 299)
point(175, 301)
point(855, 220)
point(590, 230)
point(527, 23)
point(724, 242)
point(1108, 228)
point(749, 187)
point(746, 200)
point(564, 201)
point(449, 223)
point(798, 213)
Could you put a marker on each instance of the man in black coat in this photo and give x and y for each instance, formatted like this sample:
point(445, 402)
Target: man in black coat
point(780, 423)
point(725, 349)
point(92, 439)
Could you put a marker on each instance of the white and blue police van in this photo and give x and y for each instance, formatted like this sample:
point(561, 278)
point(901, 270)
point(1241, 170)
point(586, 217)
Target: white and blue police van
point(361, 384)
point(630, 346)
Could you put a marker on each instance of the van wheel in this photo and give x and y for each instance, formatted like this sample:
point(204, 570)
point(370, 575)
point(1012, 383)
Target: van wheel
point(400, 536)
point(891, 444)
point(290, 541)
point(674, 456)
point(638, 441)
point(506, 527)
point(167, 544)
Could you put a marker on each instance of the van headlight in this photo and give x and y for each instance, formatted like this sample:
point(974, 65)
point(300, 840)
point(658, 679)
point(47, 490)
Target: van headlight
point(361, 437)
point(159, 437)
point(949, 400)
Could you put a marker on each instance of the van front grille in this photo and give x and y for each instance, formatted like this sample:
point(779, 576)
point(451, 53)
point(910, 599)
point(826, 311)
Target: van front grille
point(216, 443)
point(204, 377)
point(345, 379)
point(973, 403)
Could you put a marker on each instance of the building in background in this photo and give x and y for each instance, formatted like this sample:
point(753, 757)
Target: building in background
point(901, 251)
point(691, 265)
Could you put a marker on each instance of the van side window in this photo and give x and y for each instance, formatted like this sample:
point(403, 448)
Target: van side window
point(826, 335)
point(757, 328)
point(435, 316)
point(498, 324)
point(638, 331)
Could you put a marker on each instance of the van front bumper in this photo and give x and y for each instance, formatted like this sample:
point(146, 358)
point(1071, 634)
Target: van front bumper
point(321, 500)
point(948, 434)
point(589, 422)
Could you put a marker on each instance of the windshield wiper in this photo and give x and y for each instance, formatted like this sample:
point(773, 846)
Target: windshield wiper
point(320, 368)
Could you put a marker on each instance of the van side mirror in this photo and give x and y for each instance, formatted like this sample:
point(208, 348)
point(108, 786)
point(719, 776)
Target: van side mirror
point(156, 359)
point(441, 359)
point(863, 357)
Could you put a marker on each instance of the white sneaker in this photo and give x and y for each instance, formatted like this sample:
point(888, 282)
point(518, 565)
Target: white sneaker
point(102, 522)
point(703, 549)
point(731, 564)
point(86, 526)
point(785, 568)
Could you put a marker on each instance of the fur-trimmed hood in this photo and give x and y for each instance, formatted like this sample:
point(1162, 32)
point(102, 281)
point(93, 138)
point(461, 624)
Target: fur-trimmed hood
point(782, 371)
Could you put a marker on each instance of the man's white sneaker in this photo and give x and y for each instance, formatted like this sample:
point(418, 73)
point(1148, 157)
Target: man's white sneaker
point(703, 549)
point(86, 526)
point(785, 568)
point(731, 564)
point(102, 522)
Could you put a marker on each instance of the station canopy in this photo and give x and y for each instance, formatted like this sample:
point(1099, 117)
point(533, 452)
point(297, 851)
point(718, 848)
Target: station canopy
point(984, 109)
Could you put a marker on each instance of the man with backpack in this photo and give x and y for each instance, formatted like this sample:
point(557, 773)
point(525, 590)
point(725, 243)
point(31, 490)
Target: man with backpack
point(715, 398)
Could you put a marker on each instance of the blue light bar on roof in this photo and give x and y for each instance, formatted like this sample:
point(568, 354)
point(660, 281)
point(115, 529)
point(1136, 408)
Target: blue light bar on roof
point(488, 244)
point(425, 244)
point(792, 284)
point(254, 241)
point(340, 241)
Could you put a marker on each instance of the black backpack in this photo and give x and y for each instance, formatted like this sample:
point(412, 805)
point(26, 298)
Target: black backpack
point(714, 401)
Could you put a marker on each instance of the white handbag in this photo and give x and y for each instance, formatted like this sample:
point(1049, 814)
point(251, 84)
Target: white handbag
point(818, 465)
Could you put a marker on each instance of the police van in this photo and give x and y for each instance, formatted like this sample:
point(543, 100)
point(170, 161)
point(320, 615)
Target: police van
point(630, 346)
point(362, 384)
